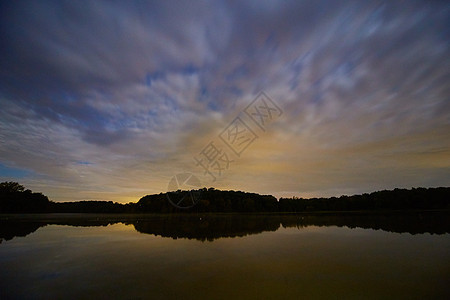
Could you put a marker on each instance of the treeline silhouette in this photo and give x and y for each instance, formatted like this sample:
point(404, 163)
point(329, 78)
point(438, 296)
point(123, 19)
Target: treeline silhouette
point(15, 199)
point(397, 199)
point(208, 200)
point(209, 227)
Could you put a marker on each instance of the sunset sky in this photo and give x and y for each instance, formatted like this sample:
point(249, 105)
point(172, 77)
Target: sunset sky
point(108, 100)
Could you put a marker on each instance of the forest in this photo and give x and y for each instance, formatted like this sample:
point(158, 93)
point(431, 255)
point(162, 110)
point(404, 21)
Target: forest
point(14, 198)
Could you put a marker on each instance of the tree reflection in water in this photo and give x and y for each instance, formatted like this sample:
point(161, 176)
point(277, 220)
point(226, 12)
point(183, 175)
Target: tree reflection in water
point(208, 227)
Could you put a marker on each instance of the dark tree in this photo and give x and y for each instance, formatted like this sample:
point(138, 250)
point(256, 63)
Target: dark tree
point(15, 199)
point(11, 187)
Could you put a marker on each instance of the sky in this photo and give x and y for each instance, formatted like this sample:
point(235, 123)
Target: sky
point(109, 100)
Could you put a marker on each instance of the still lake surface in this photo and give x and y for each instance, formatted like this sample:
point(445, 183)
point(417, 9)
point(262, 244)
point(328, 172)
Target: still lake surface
point(75, 256)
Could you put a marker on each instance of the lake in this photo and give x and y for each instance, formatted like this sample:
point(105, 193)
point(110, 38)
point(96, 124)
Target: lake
point(213, 256)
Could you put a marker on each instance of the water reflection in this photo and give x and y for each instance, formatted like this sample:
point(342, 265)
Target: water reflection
point(210, 227)
point(281, 257)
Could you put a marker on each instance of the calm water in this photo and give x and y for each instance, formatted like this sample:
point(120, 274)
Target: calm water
point(225, 257)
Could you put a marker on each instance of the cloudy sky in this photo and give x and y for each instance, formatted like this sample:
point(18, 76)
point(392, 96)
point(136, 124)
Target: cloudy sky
point(108, 100)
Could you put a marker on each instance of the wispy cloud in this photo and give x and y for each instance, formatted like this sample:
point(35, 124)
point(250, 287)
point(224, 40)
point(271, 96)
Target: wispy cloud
point(108, 100)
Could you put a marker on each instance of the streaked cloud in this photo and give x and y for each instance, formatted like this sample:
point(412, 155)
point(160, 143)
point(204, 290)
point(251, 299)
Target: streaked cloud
point(108, 100)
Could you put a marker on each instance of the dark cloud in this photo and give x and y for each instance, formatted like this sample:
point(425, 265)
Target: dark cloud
point(137, 78)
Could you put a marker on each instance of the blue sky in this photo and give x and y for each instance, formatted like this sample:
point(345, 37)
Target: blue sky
point(107, 100)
